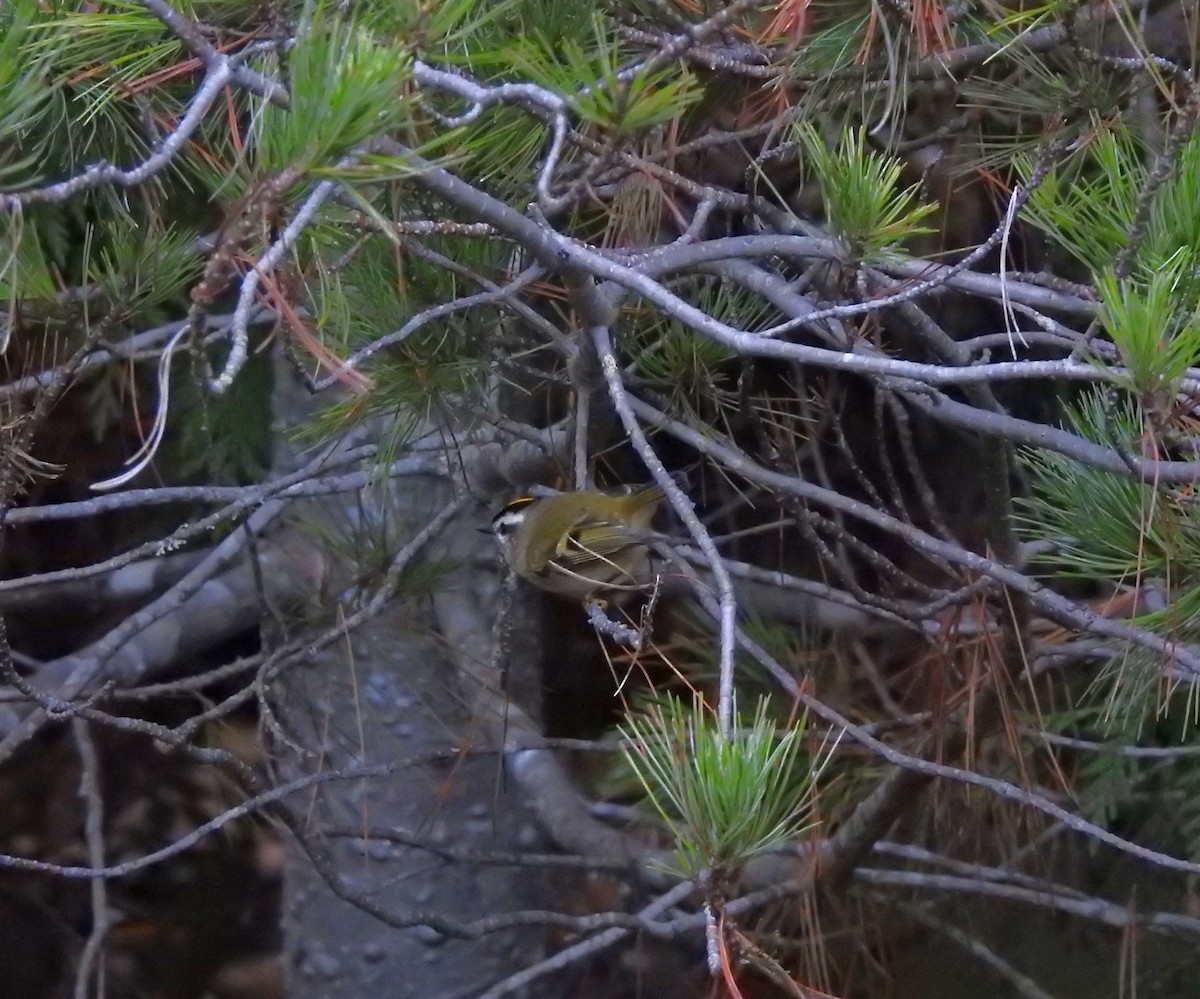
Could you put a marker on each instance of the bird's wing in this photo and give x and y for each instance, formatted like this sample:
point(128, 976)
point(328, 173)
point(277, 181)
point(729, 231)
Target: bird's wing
point(591, 538)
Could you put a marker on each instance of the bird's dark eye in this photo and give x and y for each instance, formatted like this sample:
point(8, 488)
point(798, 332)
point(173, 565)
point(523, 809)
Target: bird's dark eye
point(506, 522)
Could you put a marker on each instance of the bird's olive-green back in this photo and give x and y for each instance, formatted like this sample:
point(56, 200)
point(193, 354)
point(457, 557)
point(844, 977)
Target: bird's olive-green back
point(578, 527)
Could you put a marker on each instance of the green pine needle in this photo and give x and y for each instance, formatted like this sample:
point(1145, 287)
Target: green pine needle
point(725, 800)
point(1155, 324)
point(590, 77)
point(864, 206)
point(1104, 524)
point(345, 88)
point(141, 270)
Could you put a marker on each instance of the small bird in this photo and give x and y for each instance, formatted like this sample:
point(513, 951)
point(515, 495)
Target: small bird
point(580, 544)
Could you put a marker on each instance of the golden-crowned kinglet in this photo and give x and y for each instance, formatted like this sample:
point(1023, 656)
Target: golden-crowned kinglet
point(579, 544)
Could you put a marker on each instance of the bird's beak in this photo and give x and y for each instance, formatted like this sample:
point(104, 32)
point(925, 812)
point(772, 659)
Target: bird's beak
point(484, 530)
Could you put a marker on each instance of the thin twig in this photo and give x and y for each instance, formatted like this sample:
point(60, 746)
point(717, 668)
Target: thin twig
point(93, 832)
point(682, 505)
